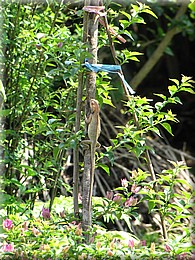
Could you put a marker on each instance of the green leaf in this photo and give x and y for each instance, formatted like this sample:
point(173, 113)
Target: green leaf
point(127, 219)
point(159, 105)
point(184, 182)
point(33, 190)
point(186, 79)
point(124, 23)
point(191, 6)
point(49, 133)
point(138, 151)
point(167, 127)
point(55, 152)
point(135, 7)
point(5, 112)
point(172, 89)
point(161, 96)
point(105, 168)
point(190, 90)
point(134, 58)
point(177, 99)
point(151, 205)
point(31, 172)
point(16, 182)
point(126, 32)
point(150, 12)
point(164, 177)
point(174, 206)
point(108, 102)
point(169, 51)
point(176, 81)
point(125, 14)
point(156, 130)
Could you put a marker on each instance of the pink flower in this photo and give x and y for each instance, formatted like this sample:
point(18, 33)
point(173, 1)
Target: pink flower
point(60, 44)
point(143, 242)
point(98, 245)
point(132, 201)
point(109, 195)
point(46, 213)
point(62, 214)
point(8, 248)
point(78, 230)
point(135, 188)
point(181, 256)
point(7, 224)
point(117, 198)
point(38, 46)
point(124, 182)
point(167, 248)
point(131, 243)
point(25, 225)
point(109, 253)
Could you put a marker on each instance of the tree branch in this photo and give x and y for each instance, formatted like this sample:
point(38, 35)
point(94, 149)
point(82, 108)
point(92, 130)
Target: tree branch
point(157, 54)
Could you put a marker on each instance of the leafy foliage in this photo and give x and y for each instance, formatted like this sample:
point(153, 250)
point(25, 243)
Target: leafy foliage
point(40, 92)
point(43, 56)
point(58, 236)
point(149, 118)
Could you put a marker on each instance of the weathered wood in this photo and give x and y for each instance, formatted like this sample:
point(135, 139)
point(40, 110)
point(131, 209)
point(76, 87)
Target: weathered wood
point(91, 39)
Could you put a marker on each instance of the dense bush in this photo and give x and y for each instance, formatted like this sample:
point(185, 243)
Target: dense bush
point(43, 50)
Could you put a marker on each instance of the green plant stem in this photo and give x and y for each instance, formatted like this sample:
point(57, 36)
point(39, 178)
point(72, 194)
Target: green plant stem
point(76, 150)
point(56, 178)
point(153, 176)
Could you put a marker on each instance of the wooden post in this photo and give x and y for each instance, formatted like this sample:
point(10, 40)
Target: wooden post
point(91, 39)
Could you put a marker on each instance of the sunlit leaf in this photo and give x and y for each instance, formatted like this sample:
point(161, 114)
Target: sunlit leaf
point(167, 127)
point(105, 168)
point(172, 89)
point(150, 12)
